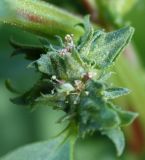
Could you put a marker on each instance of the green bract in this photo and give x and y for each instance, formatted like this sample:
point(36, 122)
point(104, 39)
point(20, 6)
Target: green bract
point(74, 79)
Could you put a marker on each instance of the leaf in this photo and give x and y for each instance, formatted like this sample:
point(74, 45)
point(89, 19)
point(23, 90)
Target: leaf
point(52, 64)
point(66, 88)
point(105, 76)
point(65, 67)
point(31, 52)
point(29, 97)
point(44, 64)
point(101, 48)
point(10, 87)
point(107, 46)
point(117, 137)
point(86, 40)
point(126, 117)
point(95, 115)
point(112, 93)
point(54, 149)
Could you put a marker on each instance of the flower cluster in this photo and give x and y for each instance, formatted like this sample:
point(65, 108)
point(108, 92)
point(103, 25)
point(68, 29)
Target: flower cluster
point(74, 79)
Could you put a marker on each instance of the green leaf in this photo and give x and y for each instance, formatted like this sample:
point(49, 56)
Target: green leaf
point(107, 46)
point(51, 100)
point(10, 87)
point(86, 40)
point(66, 88)
point(112, 93)
point(105, 76)
point(95, 115)
point(101, 48)
point(117, 137)
point(44, 64)
point(29, 98)
point(54, 149)
point(126, 117)
point(65, 67)
point(31, 52)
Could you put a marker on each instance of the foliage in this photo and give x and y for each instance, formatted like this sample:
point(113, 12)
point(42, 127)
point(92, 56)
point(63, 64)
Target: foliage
point(48, 150)
point(74, 79)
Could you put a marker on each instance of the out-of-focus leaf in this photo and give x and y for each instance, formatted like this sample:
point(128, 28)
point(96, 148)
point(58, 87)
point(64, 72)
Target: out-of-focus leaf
point(29, 97)
point(30, 52)
point(105, 76)
point(10, 87)
point(54, 149)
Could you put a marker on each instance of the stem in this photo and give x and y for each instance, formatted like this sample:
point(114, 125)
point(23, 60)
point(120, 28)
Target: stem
point(40, 18)
point(72, 147)
point(73, 137)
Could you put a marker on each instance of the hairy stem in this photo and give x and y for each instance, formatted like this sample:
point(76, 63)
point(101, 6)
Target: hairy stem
point(39, 17)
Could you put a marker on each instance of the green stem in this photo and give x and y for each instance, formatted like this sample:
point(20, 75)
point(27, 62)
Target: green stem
point(39, 17)
point(72, 147)
point(73, 132)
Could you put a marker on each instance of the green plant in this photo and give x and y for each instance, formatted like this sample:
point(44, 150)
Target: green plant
point(73, 78)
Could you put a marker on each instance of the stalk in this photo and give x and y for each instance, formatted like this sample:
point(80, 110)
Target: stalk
point(39, 17)
point(72, 148)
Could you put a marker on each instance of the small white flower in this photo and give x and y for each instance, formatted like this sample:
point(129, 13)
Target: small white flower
point(53, 77)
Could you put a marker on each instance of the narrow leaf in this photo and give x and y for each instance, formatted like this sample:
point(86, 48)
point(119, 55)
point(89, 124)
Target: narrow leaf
point(31, 52)
point(10, 87)
point(113, 93)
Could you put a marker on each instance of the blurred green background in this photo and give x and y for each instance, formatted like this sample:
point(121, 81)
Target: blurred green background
point(19, 125)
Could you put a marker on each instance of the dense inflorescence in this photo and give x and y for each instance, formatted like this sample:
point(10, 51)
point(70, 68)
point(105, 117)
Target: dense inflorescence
point(74, 79)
